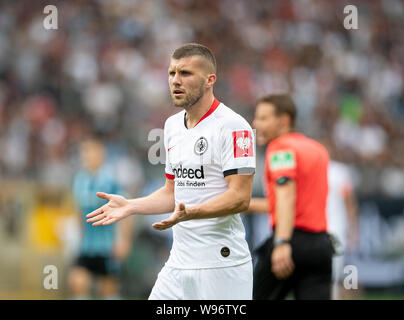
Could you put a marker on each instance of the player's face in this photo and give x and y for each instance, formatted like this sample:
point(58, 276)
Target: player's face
point(92, 155)
point(266, 122)
point(187, 78)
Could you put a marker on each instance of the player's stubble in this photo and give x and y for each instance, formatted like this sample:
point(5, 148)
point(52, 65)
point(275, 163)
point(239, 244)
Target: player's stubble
point(191, 98)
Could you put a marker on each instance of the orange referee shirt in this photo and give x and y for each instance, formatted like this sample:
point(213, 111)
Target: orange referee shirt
point(304, 160)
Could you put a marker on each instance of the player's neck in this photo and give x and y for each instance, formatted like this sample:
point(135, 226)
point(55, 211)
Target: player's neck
point(199, 109)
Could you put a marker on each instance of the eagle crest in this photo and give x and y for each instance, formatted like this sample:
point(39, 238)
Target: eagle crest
point(244, 144)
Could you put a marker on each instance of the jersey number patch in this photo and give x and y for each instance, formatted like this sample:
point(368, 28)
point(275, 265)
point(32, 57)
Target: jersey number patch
point(243, 144)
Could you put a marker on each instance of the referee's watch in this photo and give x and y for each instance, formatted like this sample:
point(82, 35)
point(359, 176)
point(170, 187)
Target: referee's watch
point(279, 241)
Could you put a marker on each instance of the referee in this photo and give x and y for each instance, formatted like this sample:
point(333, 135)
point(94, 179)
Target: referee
point(298, 257)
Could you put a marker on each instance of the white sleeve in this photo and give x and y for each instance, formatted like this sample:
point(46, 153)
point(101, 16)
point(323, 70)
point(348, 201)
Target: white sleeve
point(238, 148)
point(168, 170)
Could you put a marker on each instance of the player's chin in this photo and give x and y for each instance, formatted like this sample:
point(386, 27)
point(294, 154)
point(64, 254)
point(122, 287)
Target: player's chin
point(179, 102)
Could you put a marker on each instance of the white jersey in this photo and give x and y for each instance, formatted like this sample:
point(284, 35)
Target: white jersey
point(198, 159)
point(339, 184)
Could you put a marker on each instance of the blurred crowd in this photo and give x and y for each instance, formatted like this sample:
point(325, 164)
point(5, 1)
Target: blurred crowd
point(104, 70)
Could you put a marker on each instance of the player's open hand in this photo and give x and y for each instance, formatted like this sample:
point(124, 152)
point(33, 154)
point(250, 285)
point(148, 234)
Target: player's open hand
point(116, 209)
point(180, 214)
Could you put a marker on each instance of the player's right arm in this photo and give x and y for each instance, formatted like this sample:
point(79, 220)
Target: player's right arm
point(118, 207)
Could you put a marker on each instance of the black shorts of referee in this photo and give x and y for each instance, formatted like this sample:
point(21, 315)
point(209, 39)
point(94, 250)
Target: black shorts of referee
point(311, 279)
point(99, 265)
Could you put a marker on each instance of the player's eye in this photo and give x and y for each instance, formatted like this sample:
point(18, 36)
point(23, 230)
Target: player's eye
point(172, 73)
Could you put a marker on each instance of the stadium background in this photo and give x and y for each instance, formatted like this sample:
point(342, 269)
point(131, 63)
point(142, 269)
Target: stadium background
point(105, 69)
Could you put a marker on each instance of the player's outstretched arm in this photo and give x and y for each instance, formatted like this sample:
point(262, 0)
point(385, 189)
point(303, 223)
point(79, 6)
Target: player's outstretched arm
point(118, 207)
point(236, 199)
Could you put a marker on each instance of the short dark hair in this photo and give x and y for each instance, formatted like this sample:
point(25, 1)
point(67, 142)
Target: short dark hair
point(283, 104)
point(195, 49)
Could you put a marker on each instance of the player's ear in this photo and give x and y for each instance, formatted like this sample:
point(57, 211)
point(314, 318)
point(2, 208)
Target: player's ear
point(211, 79)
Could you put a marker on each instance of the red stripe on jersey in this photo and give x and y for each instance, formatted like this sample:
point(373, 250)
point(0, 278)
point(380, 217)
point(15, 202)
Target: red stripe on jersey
point(213, 107)
point(170, 176)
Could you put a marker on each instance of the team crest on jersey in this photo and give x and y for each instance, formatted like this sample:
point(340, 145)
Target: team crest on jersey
point(243, 144)
point(201, 146)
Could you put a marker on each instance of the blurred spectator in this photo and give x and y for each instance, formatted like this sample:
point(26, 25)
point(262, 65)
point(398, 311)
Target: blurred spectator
point(108, 59)
point(342, 218)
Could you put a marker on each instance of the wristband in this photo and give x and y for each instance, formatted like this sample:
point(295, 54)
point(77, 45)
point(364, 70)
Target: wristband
point(279, 241)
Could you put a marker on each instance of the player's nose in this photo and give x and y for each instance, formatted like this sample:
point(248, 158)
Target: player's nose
point(176, 79)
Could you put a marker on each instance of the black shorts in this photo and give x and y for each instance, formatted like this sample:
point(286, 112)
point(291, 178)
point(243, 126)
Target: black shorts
point(311, 279)
point(99, 265)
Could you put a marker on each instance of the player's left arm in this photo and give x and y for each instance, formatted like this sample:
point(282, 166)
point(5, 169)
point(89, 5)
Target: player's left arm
point(234, 200)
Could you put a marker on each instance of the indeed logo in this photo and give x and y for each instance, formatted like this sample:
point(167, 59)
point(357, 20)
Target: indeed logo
point(189, 173)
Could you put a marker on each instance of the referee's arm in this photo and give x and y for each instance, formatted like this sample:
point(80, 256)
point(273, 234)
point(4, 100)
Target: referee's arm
point(285, 193)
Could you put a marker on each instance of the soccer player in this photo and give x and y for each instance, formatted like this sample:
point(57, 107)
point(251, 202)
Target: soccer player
point(210, 165)
point(298, 256)
point(102, 249)
point(342, 217)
